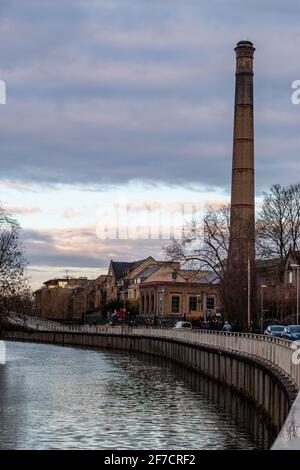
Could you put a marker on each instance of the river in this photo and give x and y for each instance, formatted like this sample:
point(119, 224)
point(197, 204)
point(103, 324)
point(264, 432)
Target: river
point(55, 397)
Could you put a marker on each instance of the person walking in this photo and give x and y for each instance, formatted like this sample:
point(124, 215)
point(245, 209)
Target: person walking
point(227, 327)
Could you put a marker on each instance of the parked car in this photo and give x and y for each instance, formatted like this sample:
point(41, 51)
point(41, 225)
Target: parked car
point(274, 330)
point(291, 332)
point(180, 325)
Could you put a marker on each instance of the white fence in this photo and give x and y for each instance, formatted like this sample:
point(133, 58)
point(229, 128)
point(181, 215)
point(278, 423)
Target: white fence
point(278, 352)
point(281, 353)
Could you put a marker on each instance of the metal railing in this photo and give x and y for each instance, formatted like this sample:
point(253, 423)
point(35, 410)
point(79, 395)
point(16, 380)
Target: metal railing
point(281, 353)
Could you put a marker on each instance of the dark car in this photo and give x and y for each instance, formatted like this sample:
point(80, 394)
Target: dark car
point(291, 332)
point(274, 330)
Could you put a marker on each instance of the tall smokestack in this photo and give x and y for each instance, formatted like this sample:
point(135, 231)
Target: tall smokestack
point(242, 226)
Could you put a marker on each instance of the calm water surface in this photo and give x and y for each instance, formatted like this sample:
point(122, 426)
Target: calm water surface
point(53, 397)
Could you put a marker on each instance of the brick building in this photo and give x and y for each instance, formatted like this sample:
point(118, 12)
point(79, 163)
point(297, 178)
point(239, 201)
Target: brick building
point(52, 301)
point(89, 298)
point(277, 286)
point(173, 292)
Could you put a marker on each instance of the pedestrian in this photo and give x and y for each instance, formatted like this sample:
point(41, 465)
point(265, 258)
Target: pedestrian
point(114, 317)
point(227, 327)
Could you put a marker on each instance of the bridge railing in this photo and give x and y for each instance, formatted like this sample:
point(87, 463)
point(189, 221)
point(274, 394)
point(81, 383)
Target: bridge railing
point(282, 353)
point(276, 351)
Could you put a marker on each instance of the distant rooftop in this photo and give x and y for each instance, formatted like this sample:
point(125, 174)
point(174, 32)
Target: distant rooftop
point(268, 263)
point(65, 280)
point(148, 271)
point(210, 278)
point(121, 268)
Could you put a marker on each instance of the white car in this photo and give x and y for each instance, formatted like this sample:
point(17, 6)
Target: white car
point(183, 325)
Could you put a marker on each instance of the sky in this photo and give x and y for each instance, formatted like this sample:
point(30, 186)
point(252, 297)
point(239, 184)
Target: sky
point(119, 113)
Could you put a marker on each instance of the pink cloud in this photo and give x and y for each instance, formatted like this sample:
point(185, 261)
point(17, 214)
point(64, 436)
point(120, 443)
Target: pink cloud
point(22, 210)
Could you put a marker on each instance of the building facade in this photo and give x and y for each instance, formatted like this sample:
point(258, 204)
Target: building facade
point(277, 281)
point(52, 301)
point(169, 292)
point(89, 298)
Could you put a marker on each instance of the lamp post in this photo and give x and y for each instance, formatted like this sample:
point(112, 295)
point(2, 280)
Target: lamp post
point(297, 288)
point(84, 305)
point(249, 292)
point(262, 308)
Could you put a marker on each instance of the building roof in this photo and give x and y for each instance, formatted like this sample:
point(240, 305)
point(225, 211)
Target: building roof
point(296, 255)
point(192, 275)
point(210, 278)
point(268, 263)
point(183, 276)
point(275, 262)
point(65, 279)
point(82, 286)
point(138, 268)
point(56, 279)
point(148, 271)
point(121, 268)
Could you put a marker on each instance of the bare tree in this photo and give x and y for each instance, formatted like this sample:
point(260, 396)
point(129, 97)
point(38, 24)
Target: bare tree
point(293, 216)
point(14, 291)
point(278, 223)
point(204, 244)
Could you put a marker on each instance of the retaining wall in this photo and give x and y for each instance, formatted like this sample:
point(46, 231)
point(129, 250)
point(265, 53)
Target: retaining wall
point(267, 387)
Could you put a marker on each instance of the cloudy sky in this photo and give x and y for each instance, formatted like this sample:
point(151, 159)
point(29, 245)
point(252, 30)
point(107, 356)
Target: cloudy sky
point(129, 103)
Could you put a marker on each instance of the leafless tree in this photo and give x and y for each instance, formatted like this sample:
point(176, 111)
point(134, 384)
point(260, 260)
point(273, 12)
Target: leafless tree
point(204, 244)
point(14, 291)
point(278, 222)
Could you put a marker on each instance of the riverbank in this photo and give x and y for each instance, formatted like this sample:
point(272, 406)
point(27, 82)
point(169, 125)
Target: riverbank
point(55, 397)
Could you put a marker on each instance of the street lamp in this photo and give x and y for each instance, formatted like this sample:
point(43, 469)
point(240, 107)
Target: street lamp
point(84, 305)
point(262, 308)
point(297, 288)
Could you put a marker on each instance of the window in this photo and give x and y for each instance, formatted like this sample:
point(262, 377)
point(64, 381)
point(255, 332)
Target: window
point(143, 303)
point(161, 304)
point(175, 304)
point(210, 303)
point(290, 277)
point(193, 303)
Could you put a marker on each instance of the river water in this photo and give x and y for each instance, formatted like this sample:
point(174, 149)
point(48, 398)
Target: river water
point(53, 397)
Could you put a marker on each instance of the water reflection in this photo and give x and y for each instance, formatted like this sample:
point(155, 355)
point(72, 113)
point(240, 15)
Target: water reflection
point(64, 398)
point(230, 406)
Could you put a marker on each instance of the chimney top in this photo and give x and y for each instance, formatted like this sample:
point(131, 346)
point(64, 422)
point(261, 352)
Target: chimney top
point(244, 43)
point(244, 49)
